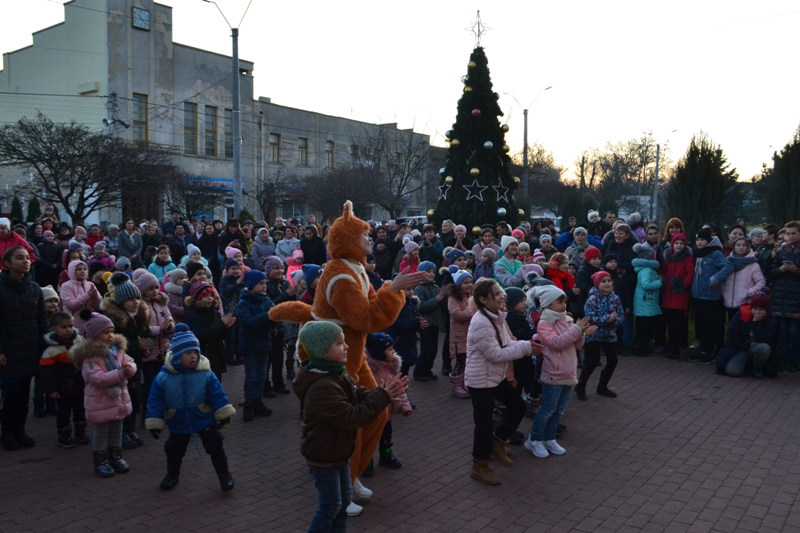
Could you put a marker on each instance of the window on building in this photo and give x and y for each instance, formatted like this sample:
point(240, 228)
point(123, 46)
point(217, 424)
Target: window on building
point(140, 118)
point(211, 131)
point(302, 146)
point(189, 128)
point(229, 133)
point(354, 154)
point(275, 147)
point(329, 154)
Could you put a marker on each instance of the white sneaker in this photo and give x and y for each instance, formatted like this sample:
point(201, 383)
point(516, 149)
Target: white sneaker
point(553, 447)
point(354, 509)
point(360, 491)
point(536, 447)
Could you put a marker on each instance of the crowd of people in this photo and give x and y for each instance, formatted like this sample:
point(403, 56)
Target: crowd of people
point(134, 326)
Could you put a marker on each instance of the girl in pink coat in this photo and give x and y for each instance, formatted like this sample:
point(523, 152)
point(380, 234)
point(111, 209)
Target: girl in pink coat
point(561, 338)
point(461, 309)
point(79, 293)
point(106, 369)
point(747, 279)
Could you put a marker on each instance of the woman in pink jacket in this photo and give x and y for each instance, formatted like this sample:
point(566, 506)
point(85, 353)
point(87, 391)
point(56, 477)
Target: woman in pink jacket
point(490, 349)
point(747, 279)
point(106, 369)
point(78, 293)
point(562, 338)
point(461, 309)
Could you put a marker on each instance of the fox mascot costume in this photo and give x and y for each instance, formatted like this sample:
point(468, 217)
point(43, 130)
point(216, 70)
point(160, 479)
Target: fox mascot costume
point(345, 297)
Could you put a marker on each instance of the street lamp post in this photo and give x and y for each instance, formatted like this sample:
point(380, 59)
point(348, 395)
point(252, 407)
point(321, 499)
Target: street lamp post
point(525, 129)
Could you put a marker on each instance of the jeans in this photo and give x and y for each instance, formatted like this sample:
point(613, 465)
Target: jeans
point(16, 394)
point(335, 493)
point(554, 402)
point(428, 346)
point(255, 373)
point(758, 354)
point(482, 408)
point(789, 339)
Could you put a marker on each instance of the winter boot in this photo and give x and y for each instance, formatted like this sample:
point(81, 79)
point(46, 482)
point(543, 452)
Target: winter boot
point(457, 382)
point(388, 459)
point(602, 387)
point(260, 409)
point(248, 413)
point(499, 453)
point(116, 461)
point(130, 431)
point(101, 466)
point(484, 474)
point(65, 437)
point(368, 470)
point(580, 388)
point(169, 482)
point(226, 482)
point(23, 439)
point(8, 441)
point(80, 433)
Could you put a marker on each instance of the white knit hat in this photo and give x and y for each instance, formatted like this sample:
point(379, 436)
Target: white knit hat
point(505, 241)
point(547, 294)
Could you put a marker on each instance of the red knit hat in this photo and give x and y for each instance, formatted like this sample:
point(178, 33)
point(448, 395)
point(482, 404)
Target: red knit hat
point(200, 289)
point(678, 236)
point(760, 301)
point(597, 277)
point(592, 252)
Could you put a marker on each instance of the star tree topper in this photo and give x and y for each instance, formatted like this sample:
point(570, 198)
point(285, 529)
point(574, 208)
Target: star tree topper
point(478, 28)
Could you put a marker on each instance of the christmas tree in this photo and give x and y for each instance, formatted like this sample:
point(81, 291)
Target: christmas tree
point(34, 210)
point(476, 186)
point(16, 211)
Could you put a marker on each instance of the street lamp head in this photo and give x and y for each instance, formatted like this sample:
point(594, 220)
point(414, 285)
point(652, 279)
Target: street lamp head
point(546, 88)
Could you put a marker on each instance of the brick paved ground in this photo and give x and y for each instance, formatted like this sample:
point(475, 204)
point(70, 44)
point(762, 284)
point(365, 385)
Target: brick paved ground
point(680, 450)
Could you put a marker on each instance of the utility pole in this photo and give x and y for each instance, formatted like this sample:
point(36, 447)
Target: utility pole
point(237, 128)
point(525, 147)
point(654, 210)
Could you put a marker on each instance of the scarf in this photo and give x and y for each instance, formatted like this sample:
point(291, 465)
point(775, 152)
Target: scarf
point(576, 251)
point(131, 239)
point(741, 262)
point(548, 315)
point(112, 363)
point(325, 365)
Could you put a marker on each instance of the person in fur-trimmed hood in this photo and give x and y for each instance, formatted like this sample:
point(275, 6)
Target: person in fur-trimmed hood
point(188, 398)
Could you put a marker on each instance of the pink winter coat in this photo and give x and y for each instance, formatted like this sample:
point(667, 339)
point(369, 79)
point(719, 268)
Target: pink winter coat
point(159, 317)
point(487, 359)
point(383, 370)
point(175, 301)
point(107, 260)
point(561, 339)
point(78, 295)
point(743, 284)
point(461, 312)
point(105, 396)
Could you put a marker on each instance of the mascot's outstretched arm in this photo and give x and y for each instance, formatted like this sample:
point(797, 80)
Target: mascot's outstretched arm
point(291, 312)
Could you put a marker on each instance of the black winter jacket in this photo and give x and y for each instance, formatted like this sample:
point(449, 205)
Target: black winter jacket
point(741, 332)
point(23, 325)
point(786, 285)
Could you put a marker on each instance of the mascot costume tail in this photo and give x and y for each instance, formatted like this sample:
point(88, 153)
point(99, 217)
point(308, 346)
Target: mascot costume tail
point(345, 297)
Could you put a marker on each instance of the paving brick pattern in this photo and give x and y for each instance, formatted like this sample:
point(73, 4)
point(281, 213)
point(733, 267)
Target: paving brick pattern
point(680, 450)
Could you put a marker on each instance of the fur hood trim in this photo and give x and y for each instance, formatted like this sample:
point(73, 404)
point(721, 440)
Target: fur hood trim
point(203, 365)
point(376, 364)
point(91, 349)
point(173, 289)
point(162, 299)
point(51, 340)
point(122, 319)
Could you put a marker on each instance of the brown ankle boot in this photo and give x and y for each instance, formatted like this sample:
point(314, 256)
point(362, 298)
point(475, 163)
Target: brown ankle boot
point(484, 474)
point(499, 453)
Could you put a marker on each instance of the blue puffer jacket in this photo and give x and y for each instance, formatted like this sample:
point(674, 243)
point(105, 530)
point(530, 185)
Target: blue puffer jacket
point(648, 287)
point(598, 309)
point(255, 336)
point(404, 331)
point(187, 400)
point(710, 265)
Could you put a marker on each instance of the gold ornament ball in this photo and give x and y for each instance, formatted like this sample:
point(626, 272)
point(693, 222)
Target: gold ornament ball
point(521, 212)
point(504, 128)
point(467, 89)
point(455, 143)
point(506, 148)
point(516, 181)
point(430, 213)
point(476, 230)
point(449, 180)
point(474, 172)
point(472, 64)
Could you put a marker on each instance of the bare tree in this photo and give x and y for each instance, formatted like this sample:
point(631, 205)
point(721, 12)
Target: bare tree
point(544, 187)
point(191, 196)
point(328, 191)
point(273, 191)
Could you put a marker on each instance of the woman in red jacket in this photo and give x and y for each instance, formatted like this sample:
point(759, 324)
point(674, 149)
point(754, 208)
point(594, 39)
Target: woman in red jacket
point(677, 273)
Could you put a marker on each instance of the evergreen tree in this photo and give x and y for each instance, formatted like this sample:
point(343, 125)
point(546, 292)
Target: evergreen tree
point(702, 178)
point(575, 205)
point(780, 187)
point(608, 204)
point(476, 186)
point(34, 210)
point(16, 211)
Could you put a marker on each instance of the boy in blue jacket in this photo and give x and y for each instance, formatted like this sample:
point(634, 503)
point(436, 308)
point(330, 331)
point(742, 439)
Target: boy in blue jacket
point(256, 341)
point(404, 332)
point(188, 390)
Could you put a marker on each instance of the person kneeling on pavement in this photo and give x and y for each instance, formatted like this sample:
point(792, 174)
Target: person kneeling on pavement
point(751, 333)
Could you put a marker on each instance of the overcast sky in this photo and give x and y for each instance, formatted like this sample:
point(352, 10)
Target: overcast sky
point(617, 68)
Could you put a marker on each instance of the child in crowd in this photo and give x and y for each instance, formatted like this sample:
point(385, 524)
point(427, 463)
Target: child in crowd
point(174, 289)
point(621, 289)
point(520, 324)
point(490, 350)
point(374, 278)
point(558, 273)
point(583, 280)
point(461, 309)
point(310, 280)
point(486, 268)
point(404, 331)
point(97, 272)
point(51, 300)
point(471, 265)
point(207, 325)
point(79, 293)
point(751, 333)
point(256, 342)
point(411, 259)
point(235, 253)
point(293, 263)
point(105, 368)
point(99, 255)
point(191, 399)
point(561, 339)
point(193, 254)
point(112, 240)
point(711, 270)
point(162, 264)
point(432, 302)
point(677, 274)
point(603, 309)
point(572, 268)
point(279, 290)
point(385, 365)
point(785, 275)
point(73, 254)
point(508, 270)
point(646, 306)
point(62, 381)
point(293, 328)
point(524, 251)
point(745, 281)
point(546, 247)
point(230, 290)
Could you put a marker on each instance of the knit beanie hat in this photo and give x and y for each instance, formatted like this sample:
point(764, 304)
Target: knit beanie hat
point(182, 341)
point(410, 246)
point(547, 294)
point(545, 237)
point(643, 251)
point(532, 267)
point(704, 234)
point(760, 301)
point(192, 249)
point(311, 272)
point(454, 254)
point(579, 230)
point(490, 253)
point(634, 218)
point(74, 245)
point(316, 338)
point(538, 255)
point(524, 246)
point(518, 233)
point(253, 278)
point(505, 241)
point(113, 227)
point(677, 236)
point(597, 277)
point(80, 231)
point(513, 297)
point(609, 257)
point(271, 263)
point(296, 276)
point(124, 289)
point(462, 228)
point(377, 344)
point(5, 222)
point(47, 233)
point(459, 275)
point(592, 213)
point(49, 293)
point(94, 323)
point(591, 253)
point(230, 252)
point(123, 263)
point(370, 257)
point(426, 265)
point(145, 280)
point(173, 275)
point(755, 232)
point(297, 254)
point(96, 267)
point(230, 263)
point(200, 289)
point(192, 267)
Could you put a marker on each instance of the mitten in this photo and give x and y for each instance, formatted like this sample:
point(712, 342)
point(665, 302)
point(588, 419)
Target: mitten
point(677, 284)
point(222, 422)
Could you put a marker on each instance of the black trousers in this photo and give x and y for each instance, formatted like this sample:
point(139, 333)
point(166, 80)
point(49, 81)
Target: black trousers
point(645, 329)
point(386, 436)
point(176, 444)
point(592, 360)
point(16, 396)
point(428, 346)
point(276, 362)
point(482, 408)
point(72, 405)
point(678, 327)
point(709, 324)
